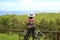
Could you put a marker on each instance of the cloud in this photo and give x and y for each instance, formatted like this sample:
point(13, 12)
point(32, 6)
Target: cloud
point(30, 5)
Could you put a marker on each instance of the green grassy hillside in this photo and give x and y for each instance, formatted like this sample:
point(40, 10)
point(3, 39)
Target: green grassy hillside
point(44, 19)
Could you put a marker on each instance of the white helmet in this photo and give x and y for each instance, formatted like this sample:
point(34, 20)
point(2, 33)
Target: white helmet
point(31, 14)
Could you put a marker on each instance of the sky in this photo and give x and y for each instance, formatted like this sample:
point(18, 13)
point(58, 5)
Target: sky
point(29, 5)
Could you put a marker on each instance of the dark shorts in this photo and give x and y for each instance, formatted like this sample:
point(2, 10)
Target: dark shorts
point(30, 30)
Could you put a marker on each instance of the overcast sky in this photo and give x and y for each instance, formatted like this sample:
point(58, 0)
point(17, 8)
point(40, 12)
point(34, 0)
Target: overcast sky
point(12, 5)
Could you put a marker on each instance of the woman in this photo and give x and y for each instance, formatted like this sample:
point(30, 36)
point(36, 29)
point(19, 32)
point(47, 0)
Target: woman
point(30, 26)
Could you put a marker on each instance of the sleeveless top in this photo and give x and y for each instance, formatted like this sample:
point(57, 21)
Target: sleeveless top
point(30, 23)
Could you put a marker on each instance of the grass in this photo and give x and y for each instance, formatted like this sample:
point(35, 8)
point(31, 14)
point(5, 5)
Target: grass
point(9, 37)
point(12, 37)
